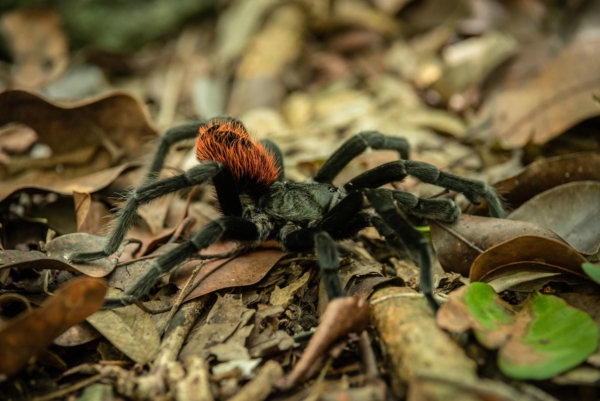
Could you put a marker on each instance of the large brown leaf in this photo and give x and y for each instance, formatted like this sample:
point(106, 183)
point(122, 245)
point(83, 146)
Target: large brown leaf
point(570, 210)
point(543, 174)
point(527, 253)
point(458, 244)
point(83, 138)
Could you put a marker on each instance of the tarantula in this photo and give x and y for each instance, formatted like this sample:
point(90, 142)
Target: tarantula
point(258, 204)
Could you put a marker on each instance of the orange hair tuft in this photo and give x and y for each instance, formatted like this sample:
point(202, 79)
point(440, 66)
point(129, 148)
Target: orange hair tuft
point(227, 141)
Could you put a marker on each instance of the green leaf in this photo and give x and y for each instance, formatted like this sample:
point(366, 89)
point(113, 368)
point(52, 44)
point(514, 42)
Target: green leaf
point(559, 337)
point(486, 307)
point(536, 340)
point(592, 270)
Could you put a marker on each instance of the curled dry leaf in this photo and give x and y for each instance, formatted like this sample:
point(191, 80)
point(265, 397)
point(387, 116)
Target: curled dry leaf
point(81, 333)
point(30, 333)
point(57, 252)
point(65, 245)
point(527, 253)
point(458, 244)
point(84, 138)
point(90, 183)
point(537, 340)
point(342, 317)
point(556, 98)
point(544, 174)
point(570, 210)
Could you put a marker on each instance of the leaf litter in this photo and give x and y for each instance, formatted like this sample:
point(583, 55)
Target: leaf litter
point(306, 76)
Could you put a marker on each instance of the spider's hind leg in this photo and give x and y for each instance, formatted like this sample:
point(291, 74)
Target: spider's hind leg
point(147, 193)
point(225, 228)
point(168, 139)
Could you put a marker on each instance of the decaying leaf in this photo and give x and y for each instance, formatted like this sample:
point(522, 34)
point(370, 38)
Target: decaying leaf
point(30, 333)
point(222, 321)
point(538, 340)
point(129, 329)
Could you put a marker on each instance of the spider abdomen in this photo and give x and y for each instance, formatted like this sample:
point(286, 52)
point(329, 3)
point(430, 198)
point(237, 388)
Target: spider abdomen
point(226, 140)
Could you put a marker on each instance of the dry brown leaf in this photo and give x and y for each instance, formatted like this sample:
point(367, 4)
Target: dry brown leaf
point(30, 333)
point(284, 296)
point(243, 270)
point(54, 182)
point(85, 137)
point(527, 253)
point(222, 321)
point(458, 244)
point(57, 252)
point(81, 333)
point(130, 329)
point(544, 174)
point(39, 46)
point(91, 215)
point(559, 96)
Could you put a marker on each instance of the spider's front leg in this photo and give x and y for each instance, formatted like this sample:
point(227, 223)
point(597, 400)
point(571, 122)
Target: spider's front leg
point(154, 190)
point(474, 190)
point(230, 228)
point(354, 147)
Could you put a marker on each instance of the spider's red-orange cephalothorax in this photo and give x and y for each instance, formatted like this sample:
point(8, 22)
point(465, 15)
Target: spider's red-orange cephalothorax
point(228, 142)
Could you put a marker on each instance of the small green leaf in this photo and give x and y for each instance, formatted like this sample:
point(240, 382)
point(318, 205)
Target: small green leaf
point(536, 340)
point(592, 270)
point(558, 338)
point(484, 305)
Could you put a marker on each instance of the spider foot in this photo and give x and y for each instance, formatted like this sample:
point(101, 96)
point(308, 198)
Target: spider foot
point(84, 257)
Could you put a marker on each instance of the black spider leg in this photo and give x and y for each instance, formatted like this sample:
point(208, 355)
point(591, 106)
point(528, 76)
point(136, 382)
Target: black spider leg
point(231, 228)
point(398, 170)
point(354, 147)
point(173, 136)
point(222, 179)
point(400, 234)
point(168, 139)
point(343, 221)
point(272, 147)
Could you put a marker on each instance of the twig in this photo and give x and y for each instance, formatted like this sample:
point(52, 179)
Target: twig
point(70, 389)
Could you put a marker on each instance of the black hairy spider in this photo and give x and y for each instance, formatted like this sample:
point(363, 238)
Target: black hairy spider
point(258, 204)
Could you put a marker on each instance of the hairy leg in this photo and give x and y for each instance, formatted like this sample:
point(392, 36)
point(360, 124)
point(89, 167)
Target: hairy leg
point(398, 170)
point(276, 151)
point(354, 147)
point(225, 228)
point(400, 234)
point(327, 256)
point(168, 139)
point(145, 194)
